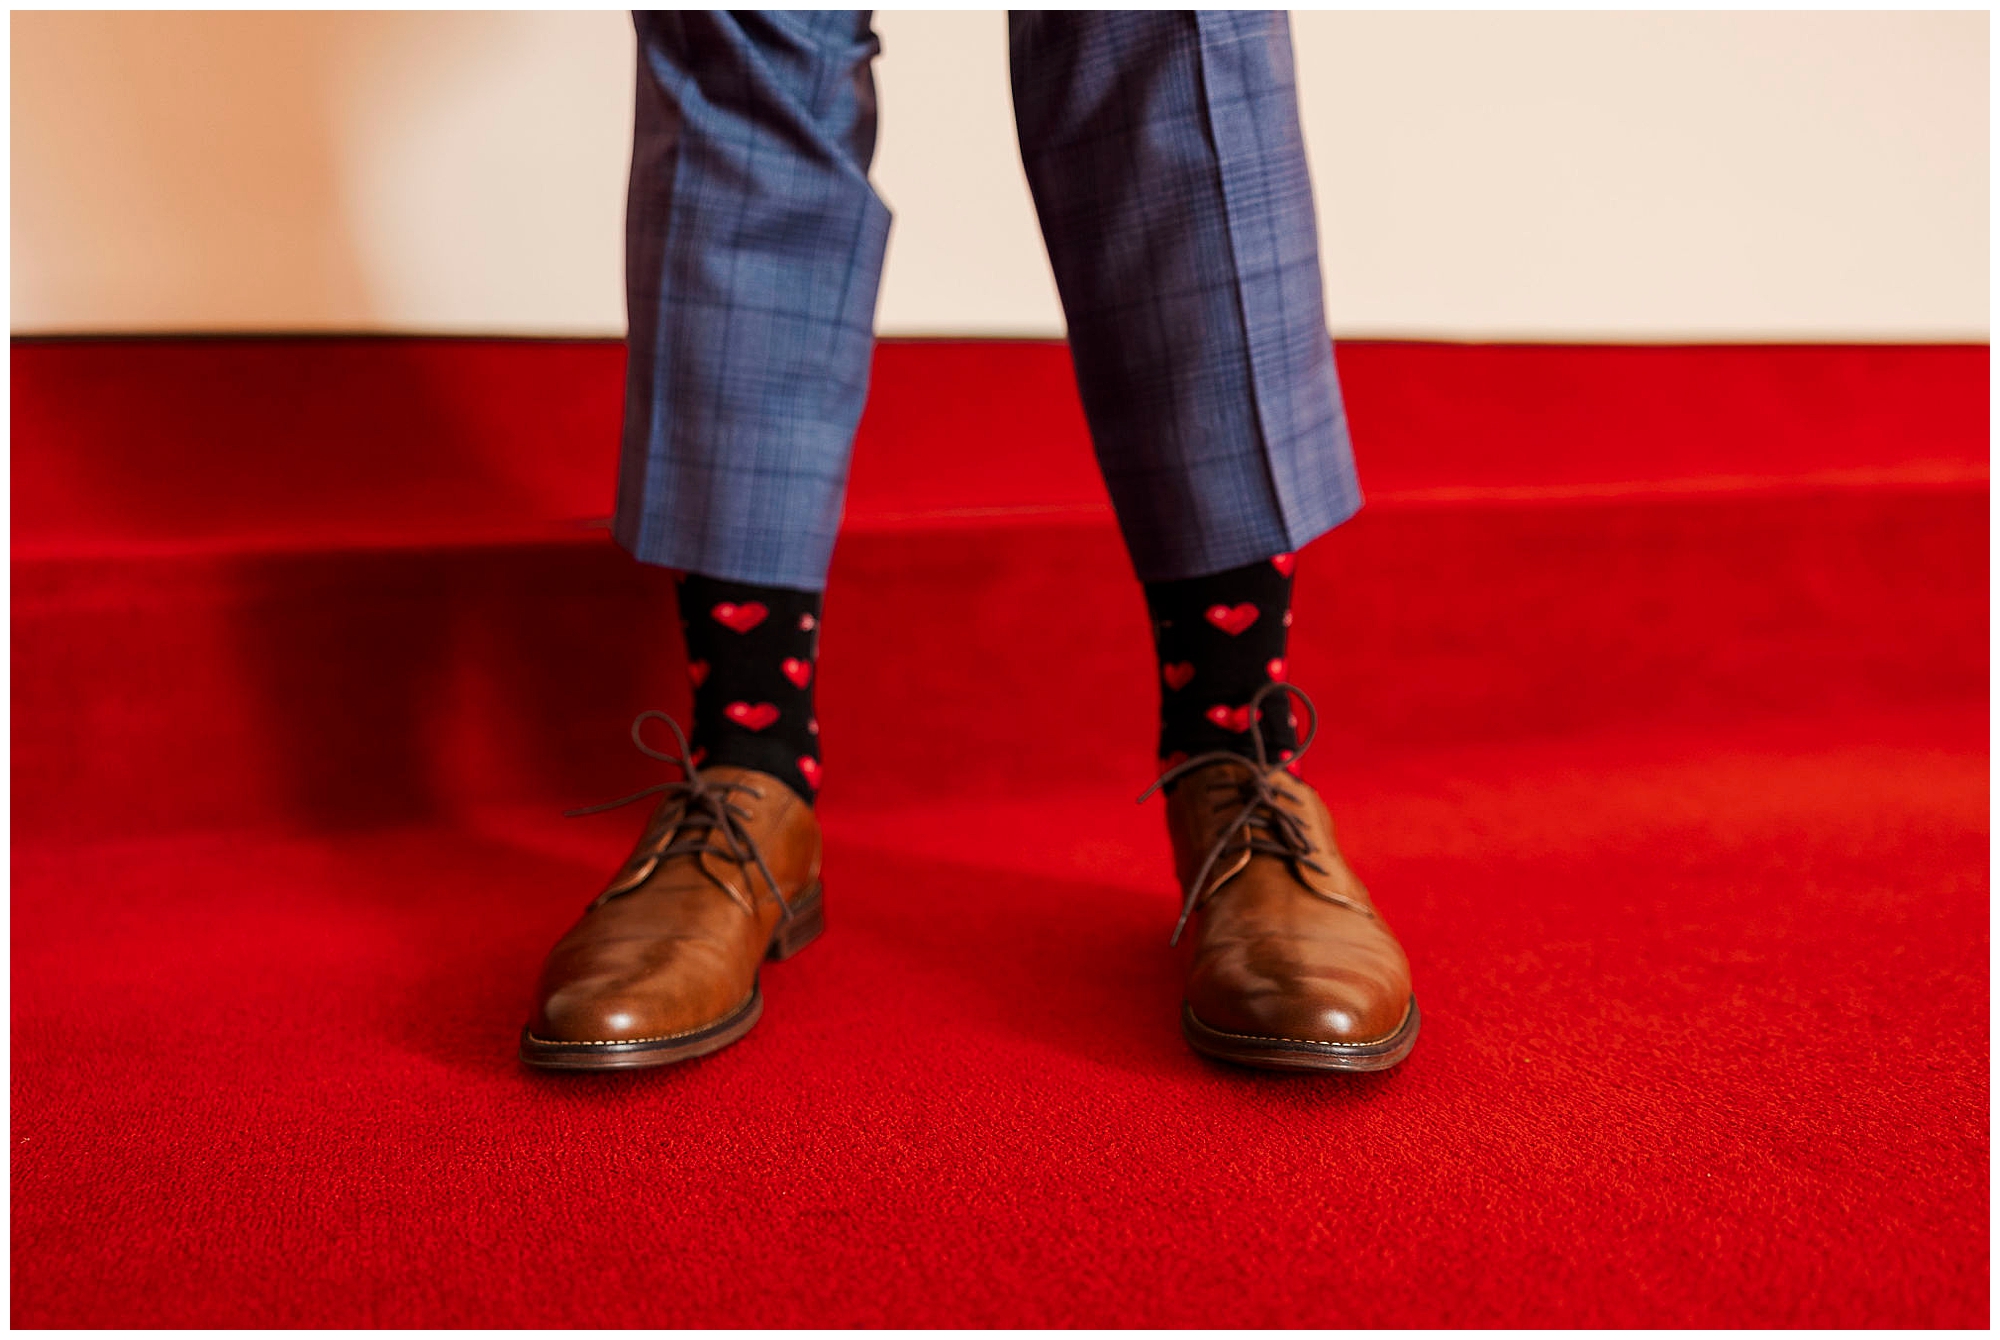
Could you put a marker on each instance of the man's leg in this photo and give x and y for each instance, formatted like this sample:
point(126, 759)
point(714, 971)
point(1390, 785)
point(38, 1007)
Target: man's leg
point(753, 252)
point(1164, 154)
point(754, 249)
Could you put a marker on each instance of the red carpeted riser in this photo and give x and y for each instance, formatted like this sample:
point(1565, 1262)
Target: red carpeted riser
point(137, 446)
point(371, 687)
point(340, 582)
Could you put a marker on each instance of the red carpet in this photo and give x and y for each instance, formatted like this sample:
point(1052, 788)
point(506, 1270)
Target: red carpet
point(1656, 696)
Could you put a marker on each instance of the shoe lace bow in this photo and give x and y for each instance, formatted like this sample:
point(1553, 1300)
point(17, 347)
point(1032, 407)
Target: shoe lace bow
point(1261, 822)
point(703, 817)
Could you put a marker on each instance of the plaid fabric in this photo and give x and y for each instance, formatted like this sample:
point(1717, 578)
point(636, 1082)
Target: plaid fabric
point(1164, 154)
point(753, 251)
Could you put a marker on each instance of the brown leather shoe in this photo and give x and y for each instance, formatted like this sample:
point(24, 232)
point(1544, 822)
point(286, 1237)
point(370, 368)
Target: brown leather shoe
point(1293, 968)
point(663, 965)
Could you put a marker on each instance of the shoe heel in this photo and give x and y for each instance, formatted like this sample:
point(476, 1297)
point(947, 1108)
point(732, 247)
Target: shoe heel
point(807, 922)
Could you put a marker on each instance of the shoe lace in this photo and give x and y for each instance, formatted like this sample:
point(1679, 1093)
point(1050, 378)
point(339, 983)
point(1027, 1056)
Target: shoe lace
point(1264, 825)
point(703, 816)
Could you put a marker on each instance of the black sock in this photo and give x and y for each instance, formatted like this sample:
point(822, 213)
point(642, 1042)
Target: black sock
point(753, 655)
point(1220, 638)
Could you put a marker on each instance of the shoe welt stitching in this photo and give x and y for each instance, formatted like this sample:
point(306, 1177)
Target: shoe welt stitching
point(626, 1042)
point(1304, 1042)
point(618, 1042)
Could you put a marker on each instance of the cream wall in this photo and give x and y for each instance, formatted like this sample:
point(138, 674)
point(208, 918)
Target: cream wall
point(1552, 175)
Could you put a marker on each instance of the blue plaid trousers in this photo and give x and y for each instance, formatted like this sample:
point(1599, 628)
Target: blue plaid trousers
point(1164, 155)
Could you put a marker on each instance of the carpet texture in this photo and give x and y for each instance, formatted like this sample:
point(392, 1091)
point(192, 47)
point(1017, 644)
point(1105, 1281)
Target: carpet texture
point(1655, 685)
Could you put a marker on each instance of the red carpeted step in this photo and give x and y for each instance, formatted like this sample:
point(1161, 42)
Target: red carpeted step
point(351, 581)
point(1704, 1045)
point(1656, 719)
point(390, 686)
point(148, 446)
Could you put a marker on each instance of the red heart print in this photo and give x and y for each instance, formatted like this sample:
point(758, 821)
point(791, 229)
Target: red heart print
point(1284, 563)
point(1177, 674)
point(809, 769)
point(1232, 621)
point(799, 672)
point(697, 756)
point(751, 717)
point(740, 618)
point(813, 725)
point(697, 672)
point(1275, 668)
point(1173, 760)
point(807, 623)
point(1230, 718)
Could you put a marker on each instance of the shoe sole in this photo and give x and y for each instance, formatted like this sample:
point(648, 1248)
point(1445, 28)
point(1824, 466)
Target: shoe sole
point(1298, 1054)
point(807, 923)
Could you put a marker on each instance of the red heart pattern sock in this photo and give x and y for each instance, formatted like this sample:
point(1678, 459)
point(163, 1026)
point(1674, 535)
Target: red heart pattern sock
point(1219, 639)
point(753, 658)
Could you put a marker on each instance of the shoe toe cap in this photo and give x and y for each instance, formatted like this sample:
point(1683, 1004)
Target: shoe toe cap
point(598, 1010)
point(1341, 1008)
point(575, 1014)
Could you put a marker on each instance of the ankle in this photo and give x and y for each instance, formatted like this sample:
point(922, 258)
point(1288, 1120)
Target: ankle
point(1220, 639)
point(753, 654)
